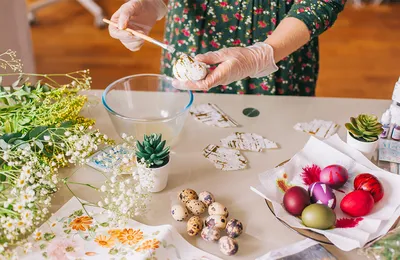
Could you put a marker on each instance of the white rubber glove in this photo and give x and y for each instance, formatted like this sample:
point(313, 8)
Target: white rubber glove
point(235, 63)
point(139, 15)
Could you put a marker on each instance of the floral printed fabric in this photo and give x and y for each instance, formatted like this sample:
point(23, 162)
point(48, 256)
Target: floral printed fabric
point(199, 26)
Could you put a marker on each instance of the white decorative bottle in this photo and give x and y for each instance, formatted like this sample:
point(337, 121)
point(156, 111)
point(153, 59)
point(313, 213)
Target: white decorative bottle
point(385, 121)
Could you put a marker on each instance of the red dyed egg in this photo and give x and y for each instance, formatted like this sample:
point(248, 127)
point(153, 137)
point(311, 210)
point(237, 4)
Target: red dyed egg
point(295, 200)
point(357, 203)
point(334, 175)
point(370, 183)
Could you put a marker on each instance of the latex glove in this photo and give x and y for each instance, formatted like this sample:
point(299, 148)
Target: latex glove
point(139, 15)
point(235, 63)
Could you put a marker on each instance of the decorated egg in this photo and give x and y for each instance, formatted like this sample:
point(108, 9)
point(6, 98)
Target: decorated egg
point(210, 234)
point(334, 175)
point(216, 221)
point(196, 207)
point(206, 197)
point(318, 216)
point(179, 213)
point(228, 246)
point(217, 208)
point(194, 226)
point(321, 193)
point(186, 68)
point(295, 200)
point(370, 183)
point(186, 195)
point(234, 228)
point(357, 203)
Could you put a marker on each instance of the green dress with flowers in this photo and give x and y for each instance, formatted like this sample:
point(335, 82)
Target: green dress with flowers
point(199, 26)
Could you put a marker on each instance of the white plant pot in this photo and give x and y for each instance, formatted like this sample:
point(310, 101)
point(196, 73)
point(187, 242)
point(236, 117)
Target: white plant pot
point(160, 177)
point(367, 148)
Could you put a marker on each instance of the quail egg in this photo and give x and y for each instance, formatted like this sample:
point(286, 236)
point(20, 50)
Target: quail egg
point(196, 207)
point(194, 226)
point(179, 213)
point(186, 68)
point(210, 234)
point(217, 208)
point(207, 198)
point(228, 246)
point(216, 221)
point(186, 195)
point(234, 228)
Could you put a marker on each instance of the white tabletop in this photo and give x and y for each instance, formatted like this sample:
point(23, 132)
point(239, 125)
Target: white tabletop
point(263, 232)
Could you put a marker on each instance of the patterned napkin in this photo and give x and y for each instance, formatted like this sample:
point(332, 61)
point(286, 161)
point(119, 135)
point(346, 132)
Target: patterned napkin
point(74, 235)
point(350, 233)
point(319, 128)
point(248, 141)
point(212, 115)
point(224, 158)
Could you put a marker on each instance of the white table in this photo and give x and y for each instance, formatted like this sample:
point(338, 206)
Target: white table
point(263, 232)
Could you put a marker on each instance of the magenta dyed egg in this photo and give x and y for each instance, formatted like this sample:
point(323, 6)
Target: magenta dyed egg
point(321, 193)
point(334, 175)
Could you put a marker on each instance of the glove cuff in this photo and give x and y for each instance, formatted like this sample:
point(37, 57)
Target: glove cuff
point(160, 7)
point(265, 54)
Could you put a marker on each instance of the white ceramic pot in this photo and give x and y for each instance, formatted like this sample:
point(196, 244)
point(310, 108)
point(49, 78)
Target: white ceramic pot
point(161, 177)
point(367, 148)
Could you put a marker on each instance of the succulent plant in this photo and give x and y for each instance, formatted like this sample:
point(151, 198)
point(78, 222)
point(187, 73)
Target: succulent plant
point(152, 151)
point(365, 128)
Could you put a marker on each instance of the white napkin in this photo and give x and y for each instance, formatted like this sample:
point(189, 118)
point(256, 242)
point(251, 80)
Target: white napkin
point(323, 154)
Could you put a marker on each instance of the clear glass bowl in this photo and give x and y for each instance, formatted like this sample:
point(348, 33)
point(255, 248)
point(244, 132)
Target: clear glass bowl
point(147, 103)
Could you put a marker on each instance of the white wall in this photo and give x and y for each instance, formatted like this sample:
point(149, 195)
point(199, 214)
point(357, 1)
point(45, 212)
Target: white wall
point(15, 32)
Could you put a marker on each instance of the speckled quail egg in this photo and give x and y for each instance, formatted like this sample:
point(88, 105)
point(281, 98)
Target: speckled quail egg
point(194, 226)
point(210, 234)
point(216, 221)
point(196, 207)
point(206, 197)
point(179, 213)
point(228, 246)
point(186, 195)
point(234, 228)
point(186, 68)
point(217, 208)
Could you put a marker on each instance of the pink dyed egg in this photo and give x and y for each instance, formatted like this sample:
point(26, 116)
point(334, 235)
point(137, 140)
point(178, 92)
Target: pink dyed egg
point(334, 175)
point(321, 193)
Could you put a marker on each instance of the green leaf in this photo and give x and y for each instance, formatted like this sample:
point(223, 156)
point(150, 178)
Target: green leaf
point(49, 236)
point(146, 144)
point(3, 144)
point(42, 246)
point(40, 145)
point(2, 187)
point(104, 224)
point(158, 162)
point(139, 146)
point(37, 131)
point(67, 231)
point(67, 124)
point(143, 155)
point(113, 251)
point(2, 177)
point(44, 254)
point(160, 146)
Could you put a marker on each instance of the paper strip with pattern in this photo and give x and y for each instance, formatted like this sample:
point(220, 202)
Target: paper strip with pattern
point(319, 128)
point(212, 115)
point(224, 158)
point(247, 141)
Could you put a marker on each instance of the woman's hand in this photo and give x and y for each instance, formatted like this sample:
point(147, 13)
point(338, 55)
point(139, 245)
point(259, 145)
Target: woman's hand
point(234, 64)
point(139, 15)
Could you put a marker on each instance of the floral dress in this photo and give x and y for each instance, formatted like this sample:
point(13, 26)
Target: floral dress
point(199, 26)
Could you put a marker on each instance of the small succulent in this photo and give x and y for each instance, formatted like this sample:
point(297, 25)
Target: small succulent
point(365, 128)
point(152, 151)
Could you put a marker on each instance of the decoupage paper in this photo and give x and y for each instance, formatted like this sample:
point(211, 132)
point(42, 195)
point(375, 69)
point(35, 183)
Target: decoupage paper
point(107, 159)
point(212, 115)
point(319, 128)
point(72, 234)
point(389, 150)
point(224, 158)
point(248, 141)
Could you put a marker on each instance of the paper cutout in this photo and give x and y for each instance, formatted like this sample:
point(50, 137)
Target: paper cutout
point(210, 114)
point(389, 150)
point(103, 159)
point(319, 128)
point(74, 235)
point(247, 141)
point(224, 158)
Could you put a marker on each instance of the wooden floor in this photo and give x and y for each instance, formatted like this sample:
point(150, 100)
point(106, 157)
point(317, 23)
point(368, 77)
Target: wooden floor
point(360, 55)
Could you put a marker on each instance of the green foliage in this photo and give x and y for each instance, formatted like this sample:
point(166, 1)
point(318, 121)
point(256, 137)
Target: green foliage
point(365, 128)
point(153, 151)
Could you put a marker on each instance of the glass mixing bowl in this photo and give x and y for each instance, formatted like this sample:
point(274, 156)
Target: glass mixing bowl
point(145, 104)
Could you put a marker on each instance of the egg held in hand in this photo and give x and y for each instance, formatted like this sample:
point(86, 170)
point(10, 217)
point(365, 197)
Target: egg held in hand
point(295, 200)
point(357, 203)
point(334, 175)
point(322, 193)
point(186, 68)
point(370, 183)
point(318, 216)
